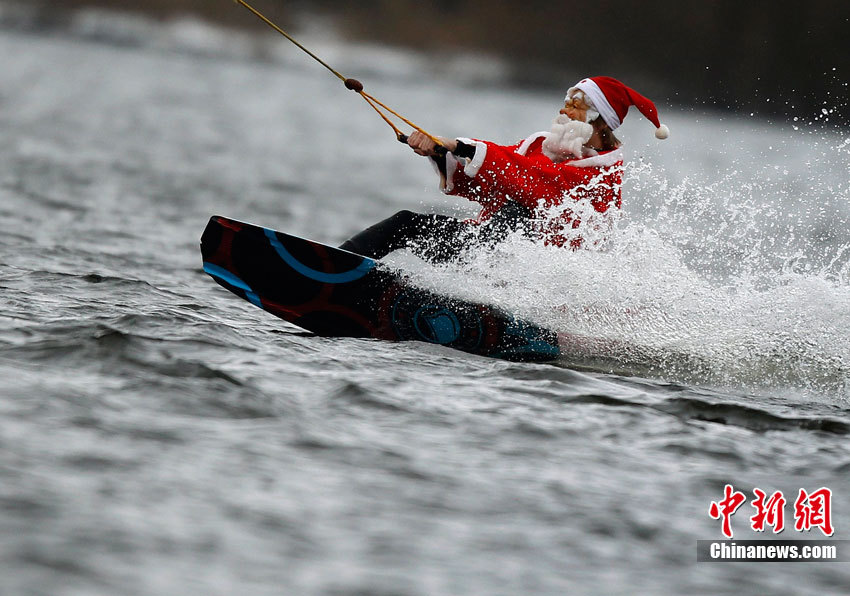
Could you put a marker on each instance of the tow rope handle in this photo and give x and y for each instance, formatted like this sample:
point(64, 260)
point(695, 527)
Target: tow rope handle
point(439, 149)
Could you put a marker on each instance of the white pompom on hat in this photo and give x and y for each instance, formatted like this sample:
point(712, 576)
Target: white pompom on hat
point(612, 99)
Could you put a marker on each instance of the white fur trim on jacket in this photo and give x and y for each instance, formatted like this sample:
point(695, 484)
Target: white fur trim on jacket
point(605, 159)
point(471, 168)
point(599, 161)
point(451, 168)
point(447, 183)
point(523, 147)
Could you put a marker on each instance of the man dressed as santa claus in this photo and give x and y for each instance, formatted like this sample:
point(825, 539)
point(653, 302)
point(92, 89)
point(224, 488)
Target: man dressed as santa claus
point(542, 185)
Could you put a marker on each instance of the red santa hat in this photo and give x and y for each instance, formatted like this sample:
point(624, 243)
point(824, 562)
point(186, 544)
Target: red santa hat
point(612, 100)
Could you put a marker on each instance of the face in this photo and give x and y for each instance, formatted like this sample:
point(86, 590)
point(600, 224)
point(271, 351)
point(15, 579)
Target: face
point(577, 108)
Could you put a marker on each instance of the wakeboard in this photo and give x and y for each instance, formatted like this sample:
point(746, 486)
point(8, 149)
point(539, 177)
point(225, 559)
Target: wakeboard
point(336, 293)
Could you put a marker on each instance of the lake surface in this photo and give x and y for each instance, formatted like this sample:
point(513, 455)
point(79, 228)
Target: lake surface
point(160, 436)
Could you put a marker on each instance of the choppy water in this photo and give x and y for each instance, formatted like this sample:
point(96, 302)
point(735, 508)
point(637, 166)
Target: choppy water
point(158, 436)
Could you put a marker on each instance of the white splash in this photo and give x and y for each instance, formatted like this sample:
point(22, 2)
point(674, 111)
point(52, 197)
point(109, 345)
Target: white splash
point(740, 280)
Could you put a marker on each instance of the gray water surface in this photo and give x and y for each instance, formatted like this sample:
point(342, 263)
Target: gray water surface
point(159, 436)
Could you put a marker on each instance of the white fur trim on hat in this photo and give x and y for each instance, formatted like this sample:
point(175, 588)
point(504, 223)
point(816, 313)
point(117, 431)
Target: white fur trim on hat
point(662, 132)
point(600, 102)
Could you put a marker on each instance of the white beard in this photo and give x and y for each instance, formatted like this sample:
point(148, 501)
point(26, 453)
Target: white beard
point(566, 138)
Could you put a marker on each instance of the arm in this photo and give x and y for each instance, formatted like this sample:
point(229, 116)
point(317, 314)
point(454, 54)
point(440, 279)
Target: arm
point(489, 174)
point(497, 172)
point(423, 145)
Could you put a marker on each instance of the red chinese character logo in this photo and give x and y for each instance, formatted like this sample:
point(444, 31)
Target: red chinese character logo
point(732, 499)
point(770, 511)
point(814, 510)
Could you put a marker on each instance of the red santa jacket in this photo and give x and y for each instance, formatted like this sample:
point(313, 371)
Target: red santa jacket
point(523, 173)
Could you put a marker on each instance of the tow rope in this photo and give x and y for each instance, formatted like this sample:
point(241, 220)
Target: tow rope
point(352, 84)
